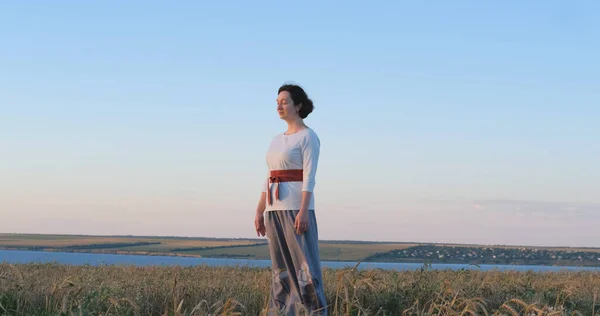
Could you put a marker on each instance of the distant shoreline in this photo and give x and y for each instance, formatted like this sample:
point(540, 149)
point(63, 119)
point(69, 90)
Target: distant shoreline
point(408, 261)
point(330, 250)
point(336, 241)
point(132, 253)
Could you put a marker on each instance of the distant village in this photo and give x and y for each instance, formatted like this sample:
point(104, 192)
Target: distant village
point(497, 255)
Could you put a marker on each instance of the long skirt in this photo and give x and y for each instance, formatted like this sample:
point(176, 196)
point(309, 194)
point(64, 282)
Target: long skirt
point(297, 283)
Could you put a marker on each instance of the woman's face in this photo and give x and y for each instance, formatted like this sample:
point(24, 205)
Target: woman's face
point(285, 106)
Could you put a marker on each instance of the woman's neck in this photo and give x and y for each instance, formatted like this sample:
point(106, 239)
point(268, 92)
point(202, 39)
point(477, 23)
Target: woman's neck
point(295, 126)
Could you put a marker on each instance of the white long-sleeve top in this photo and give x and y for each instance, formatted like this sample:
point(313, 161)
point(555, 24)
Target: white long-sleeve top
point(296, 151)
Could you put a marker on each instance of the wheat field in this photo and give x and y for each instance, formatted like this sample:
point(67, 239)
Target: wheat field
point(53, 289)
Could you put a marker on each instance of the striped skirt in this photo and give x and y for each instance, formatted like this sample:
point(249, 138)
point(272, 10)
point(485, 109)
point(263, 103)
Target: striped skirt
point(297, 283)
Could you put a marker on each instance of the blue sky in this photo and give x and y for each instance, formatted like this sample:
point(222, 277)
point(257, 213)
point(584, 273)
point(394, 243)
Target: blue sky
point(459, 121)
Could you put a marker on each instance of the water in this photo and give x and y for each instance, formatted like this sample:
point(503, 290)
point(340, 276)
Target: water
point(73, 258)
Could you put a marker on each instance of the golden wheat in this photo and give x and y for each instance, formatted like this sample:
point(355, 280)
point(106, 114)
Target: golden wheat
point(52, 289)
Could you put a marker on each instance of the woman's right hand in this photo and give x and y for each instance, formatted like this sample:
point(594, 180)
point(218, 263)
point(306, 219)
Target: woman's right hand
point(259, 224)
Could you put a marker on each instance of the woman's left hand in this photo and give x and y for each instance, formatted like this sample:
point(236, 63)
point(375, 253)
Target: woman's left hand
point(301, 223)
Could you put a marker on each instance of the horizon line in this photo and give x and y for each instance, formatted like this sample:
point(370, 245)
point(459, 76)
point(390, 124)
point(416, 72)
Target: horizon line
point(321, 240)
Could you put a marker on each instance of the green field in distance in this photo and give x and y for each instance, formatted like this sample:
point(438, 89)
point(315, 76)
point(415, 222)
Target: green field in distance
point(330, 250)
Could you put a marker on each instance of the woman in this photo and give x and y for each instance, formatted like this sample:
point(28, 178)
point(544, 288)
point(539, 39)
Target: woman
point(286, 212)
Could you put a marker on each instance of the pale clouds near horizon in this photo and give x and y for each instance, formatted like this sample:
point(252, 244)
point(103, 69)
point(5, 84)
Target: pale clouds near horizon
point(383, 218)
point(169, 189)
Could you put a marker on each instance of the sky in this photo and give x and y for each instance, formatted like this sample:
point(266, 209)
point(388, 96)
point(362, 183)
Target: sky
point(462, 121)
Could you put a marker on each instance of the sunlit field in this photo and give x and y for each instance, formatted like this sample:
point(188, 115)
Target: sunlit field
point(181, 246)
point(52, 289)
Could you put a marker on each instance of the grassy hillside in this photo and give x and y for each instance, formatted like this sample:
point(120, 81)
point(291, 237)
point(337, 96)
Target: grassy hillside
point(201, 247)
point(489, 255)
point(330, 250)
point(161, 245)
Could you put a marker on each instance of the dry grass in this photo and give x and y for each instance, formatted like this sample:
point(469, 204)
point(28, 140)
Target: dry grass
point(354, 252)
point(64, 241)
point(166, 244)
point(330, 251)
point(48, 289)
point(252, 252)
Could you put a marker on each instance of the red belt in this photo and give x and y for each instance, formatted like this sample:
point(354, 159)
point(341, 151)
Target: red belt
point(278, 176)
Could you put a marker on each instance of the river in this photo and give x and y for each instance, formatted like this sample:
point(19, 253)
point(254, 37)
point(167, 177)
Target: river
point(74, 258)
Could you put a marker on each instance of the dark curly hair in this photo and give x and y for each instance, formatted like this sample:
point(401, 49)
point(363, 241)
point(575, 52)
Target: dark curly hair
point(299, 97)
